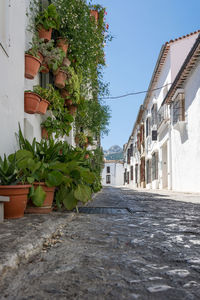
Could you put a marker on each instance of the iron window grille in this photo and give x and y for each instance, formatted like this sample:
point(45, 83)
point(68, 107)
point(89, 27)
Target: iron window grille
point(178, 108)
point(155, 166)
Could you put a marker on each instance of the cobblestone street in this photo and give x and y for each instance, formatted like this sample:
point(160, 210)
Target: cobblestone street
point(145, 246)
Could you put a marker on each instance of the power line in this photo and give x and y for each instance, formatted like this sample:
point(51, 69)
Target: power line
point(136, 93)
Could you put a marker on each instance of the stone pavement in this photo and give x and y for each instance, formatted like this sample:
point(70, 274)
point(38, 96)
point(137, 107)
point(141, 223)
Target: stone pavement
point(148, 251)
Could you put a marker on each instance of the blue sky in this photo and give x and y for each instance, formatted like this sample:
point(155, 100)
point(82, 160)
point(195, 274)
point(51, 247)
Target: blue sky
point(139, 28)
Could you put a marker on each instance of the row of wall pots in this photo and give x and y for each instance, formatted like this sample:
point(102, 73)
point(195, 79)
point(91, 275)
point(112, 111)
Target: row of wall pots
point(33, 103)
point(17, 205)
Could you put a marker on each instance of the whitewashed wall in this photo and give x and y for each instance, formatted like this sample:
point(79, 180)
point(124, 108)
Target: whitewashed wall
point(186, 143)
point(116, 173)
point(12, 78)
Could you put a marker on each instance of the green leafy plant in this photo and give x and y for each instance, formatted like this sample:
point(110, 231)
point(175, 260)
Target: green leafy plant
point(73, 85)
point(81, 139)
point(48, 18)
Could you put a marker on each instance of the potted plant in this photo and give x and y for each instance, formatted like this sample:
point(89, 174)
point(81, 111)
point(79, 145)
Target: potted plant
point(63, 44)
point(61, 77)
point(33, 59)
point(31, 102)
point(81, 139)
point(72, 90)
point(47, 20)
point(12, 184)
point(44, 103)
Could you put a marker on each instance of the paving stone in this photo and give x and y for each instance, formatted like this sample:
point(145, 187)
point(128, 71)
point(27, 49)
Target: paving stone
point(151, 252)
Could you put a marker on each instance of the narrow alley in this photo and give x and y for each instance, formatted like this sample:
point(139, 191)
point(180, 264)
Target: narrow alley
point(125, 245)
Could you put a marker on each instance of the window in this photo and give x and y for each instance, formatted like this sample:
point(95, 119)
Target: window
point(178, 108)
point(155, 166)
point(4, 24)
point(142, 170)
point(147, 127)
point(131, 150)
point(108, 179)
point(154, 115)
point(149, 171)
point(131, 172)
point(128, 177)
point(108, 169)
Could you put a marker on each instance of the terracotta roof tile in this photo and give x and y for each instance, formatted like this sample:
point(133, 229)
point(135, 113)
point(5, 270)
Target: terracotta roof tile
point(182, 37)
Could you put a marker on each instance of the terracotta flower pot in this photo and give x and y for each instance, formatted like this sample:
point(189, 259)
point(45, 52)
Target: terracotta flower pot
point(44, 68)
point(32, 65)
point(44, 133)
point(41, 57)
point(76, 140)
point(31, 102)
point(64, 93)
point(66, 62)
point(60, 79)
point(63, 44)
point(46, 206)
point(43, 105)
point(44, 34)
point(68, 102)
point(87, 156)
point(18, 199)
point(72, 109)
point(94, 13)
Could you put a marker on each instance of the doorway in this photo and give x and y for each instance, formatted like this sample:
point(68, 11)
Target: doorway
point(164, 167)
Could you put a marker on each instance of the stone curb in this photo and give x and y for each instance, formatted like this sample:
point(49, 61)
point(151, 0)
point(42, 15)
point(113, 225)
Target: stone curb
point(31, 243)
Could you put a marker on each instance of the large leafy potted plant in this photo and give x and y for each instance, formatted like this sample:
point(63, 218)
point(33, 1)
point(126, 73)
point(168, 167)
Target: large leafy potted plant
point(13, 184)
point(47, 20)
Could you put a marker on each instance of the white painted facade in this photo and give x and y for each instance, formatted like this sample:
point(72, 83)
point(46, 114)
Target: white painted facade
point(112, 173)
point(14, 41)
point(172, 159)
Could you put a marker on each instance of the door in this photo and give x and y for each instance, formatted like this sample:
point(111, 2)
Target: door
point(164, 167)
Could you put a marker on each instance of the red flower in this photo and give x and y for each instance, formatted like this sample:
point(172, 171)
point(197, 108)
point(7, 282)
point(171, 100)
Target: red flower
point(107, 26)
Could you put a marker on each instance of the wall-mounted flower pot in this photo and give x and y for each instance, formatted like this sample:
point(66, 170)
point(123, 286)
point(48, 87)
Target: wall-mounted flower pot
point(31, 102)
point(63, 44)
point(32, 65)
point(66, 62)
point(64, 93)
point(44, 34)
point(87, 156)
point(18, 199)
point(43, 105)
point(44, 68)
point(60, 79)
point(94, 13)
point(72, 109)
point(46, 206)
point(44, 133)
point(68, 102)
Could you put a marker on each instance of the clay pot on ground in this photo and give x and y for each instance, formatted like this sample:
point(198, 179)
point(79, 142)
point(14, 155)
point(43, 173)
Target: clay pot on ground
point(94, 13)
point(32, 65)
point(44, 34)
point(18, 199)
point(60, 79)
point(44, 133)
point(46, 206)
point(63, 44)
point(43, 105)
point(72, 109)
point(31, 102)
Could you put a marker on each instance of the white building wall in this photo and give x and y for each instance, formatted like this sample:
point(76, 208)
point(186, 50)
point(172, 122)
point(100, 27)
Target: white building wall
point(186, 143)
point(12, 78)
point(116, 174)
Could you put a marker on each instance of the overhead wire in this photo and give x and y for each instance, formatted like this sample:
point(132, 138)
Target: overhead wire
point(134, 93)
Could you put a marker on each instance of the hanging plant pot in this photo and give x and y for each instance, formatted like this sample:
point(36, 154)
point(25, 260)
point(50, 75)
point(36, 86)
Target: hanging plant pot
point(31, 102)
point(44, 133)
point(41, 57)
point(66, 62)
point(44, 68)
point(32, 65)
point(87, 156)
point(60, 79)
point(18, 199)
point(63, 44)
point(94, 13)
point(64, 93)
point(68, 102)
point(43, 105)
point(72, 109)
point(46, 207)
point(44, 34)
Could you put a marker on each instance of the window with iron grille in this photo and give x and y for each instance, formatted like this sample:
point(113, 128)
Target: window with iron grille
point(131, 172)
point(155, 166)
point(178, 108)
point(108, 179)
point(131, 150)
point(148, 171)
point(147, 127)
point(154, 115)
point(108, 169)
